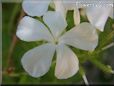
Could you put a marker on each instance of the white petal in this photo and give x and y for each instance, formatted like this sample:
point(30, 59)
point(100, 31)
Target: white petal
point(112, 13)
point(63, 6)
point(67, 63)
point(35, 7)
point(69, 5)
point(59, 7)
point(98, 16)
point(37, 61)
point(30, 29)
point(83, 36)
point(76, 16)
point(56, 22)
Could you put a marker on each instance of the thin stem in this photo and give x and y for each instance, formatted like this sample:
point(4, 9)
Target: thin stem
point(110, 36)
point(85, 79)
point(14, 74)
point(105, 68)
point(12, 19)
point(82, 73)
point(113, 26)
point(108, 46)
point(12, 46)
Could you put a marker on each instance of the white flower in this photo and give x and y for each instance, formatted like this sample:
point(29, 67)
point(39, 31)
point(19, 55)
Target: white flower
point(37, 61)
point(39, 8)
point(98, 16)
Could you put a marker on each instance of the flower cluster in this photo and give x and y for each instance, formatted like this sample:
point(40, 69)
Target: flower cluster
point(37, 61)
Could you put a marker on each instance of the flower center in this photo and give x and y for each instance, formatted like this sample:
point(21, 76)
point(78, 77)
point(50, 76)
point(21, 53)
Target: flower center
point(55, 41)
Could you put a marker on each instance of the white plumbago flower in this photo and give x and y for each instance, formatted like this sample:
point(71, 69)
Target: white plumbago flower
point(39, 8)
point(98, 16)
point(99, 12)
point(37, 61)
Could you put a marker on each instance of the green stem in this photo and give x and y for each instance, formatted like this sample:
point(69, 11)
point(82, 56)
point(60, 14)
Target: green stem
point(13, 16)
point(82, 73)
point(105, 68)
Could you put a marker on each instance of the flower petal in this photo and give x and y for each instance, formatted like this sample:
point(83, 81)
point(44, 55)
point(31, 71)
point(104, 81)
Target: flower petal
point(37, 61)
point(67, 63)
point(56, 22)
point(76, 16)
point(69, 5)
point(59, 7)
point(30, 29)
point(83, 36)
point(35, 7)
point(63, 6)
point(98, 16)
point(112, 13)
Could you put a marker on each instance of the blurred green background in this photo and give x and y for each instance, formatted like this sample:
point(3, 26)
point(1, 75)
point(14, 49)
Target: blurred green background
point(13, 49)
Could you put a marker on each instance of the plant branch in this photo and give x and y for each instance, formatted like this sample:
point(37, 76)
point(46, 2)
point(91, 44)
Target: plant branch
point(12, 46)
